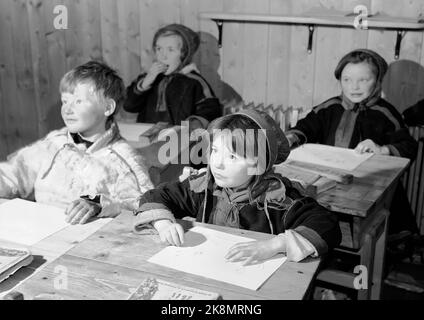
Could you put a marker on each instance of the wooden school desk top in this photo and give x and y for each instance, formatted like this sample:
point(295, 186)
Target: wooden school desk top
point(112, 262)
point(372, 180)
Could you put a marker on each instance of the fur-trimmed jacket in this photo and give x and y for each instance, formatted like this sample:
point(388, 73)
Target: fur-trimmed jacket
point(55, 170)
point(285, 210)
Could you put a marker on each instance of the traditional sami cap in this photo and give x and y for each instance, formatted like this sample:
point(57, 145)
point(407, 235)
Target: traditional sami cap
point(278, 145)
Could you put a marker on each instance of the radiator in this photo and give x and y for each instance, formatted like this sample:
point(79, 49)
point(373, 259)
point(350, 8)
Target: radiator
point(285, 116)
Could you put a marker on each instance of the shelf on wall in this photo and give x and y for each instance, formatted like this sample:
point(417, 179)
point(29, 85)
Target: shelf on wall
point(343, 20)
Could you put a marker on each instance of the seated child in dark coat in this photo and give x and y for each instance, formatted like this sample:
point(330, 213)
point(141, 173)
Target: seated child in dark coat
point(173, 90)
point(240, 189)
point(361, 119)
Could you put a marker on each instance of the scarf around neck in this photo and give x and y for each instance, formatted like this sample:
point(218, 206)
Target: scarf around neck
point(268, 192)
point(347, 122)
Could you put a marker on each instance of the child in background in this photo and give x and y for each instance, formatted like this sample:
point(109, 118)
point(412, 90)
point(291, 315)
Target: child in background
point(173, 90)
point(240, 190)
point(362, 120)
point(85, 167)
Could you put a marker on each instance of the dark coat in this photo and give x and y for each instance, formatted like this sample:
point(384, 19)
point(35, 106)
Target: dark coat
point(304, 215)
point(186, 95)
point(381, 123)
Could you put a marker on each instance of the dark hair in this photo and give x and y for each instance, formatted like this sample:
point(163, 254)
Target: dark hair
point(375, 61)
point(105, 80)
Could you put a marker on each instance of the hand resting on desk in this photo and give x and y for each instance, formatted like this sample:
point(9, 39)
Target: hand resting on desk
point(251, 252)
point(370, 146)
point(80, 211)
point(255, 251)
point(170, 232)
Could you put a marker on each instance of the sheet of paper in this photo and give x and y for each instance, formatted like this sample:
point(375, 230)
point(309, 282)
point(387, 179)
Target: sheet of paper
point(203, 254)
point(132, 131)
point(334, 157)
point(26, 222)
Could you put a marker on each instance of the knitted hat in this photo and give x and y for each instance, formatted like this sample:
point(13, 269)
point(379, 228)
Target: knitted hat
point(277, 142)
point(190, 39)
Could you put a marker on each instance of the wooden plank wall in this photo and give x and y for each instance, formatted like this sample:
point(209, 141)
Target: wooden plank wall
point(258, 62)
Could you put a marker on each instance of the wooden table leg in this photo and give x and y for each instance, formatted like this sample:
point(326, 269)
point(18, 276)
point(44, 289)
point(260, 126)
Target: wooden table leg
point(372, 255)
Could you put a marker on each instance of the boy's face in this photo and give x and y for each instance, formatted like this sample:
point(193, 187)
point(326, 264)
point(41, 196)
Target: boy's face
point(168, 51)
point(228, 168)
point(357, 81)
point(82, 111)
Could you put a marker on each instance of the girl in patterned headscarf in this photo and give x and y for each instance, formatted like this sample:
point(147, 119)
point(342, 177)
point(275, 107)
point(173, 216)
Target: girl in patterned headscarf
point(359, 118)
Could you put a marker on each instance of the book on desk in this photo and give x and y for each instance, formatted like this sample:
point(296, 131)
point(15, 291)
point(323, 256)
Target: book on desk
point(311, 183)
point(12, 258)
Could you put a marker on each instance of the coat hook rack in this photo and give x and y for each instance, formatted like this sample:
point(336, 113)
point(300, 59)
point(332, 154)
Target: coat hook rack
point(400, 25)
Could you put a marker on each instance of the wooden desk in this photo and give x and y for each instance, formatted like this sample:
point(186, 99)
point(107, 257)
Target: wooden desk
point(46, 251)
point(363, 212)
point(112, 262)
point(374, 182)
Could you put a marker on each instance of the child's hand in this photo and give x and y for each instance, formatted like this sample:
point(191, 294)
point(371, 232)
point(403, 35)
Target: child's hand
point(370, 146)
point(292, 139)
point(255, 251)
point(170, 232)
point(80, 210)
point(156, 68)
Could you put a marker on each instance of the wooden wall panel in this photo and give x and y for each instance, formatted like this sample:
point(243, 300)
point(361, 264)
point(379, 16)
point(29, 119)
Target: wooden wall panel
point(56, 63)
point(255, 53)
point(8, 128)
point(209, 56)
point(129, 36)
point(278, 56)
point(258, 62)
point(26, 103)
point(302, 64)
point(110, 34)
point(40, 63)
point(232, 58)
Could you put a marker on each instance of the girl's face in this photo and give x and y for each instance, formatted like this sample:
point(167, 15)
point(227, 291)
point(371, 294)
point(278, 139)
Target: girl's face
point(228, 168)
point(357, 81)
point(168, 51)
point(82, 111)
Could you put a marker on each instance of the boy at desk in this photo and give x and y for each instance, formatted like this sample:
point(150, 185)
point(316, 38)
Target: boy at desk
point(239, 189)
point(361, 119)
point(85, 167)
point(173, 90)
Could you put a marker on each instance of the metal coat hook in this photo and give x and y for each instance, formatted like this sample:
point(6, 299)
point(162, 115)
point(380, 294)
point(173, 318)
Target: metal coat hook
point(398, 41)
point(311, 33)
point(219, 24)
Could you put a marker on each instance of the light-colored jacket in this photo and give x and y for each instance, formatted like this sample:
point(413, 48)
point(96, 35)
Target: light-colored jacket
point(56, 171)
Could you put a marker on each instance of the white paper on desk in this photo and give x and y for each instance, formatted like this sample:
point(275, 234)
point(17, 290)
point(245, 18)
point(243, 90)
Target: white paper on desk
point(329, 156)
point(132, 131)
point(26, 222)
point(203, 254)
